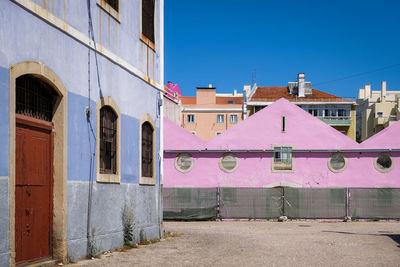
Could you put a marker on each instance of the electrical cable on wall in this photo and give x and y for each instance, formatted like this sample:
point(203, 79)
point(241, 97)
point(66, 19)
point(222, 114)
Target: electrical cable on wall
point(90, 129)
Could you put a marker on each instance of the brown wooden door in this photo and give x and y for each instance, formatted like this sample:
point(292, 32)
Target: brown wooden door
point(33, 192)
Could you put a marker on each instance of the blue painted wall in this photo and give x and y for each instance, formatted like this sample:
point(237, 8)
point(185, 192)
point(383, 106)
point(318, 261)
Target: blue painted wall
point(69, 59)
point(4, 122)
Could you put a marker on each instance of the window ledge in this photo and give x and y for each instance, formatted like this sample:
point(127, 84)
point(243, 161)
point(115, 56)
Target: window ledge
point(107, 8)
point(147, 41)
point(108, 178)
point(147, 180)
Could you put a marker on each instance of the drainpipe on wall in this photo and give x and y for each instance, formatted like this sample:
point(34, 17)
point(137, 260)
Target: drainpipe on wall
point(160, 218)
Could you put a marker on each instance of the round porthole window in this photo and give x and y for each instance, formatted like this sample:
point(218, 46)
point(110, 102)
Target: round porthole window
point(184, 162)
point(228, 162)
point(337, 162)
point(383, 162)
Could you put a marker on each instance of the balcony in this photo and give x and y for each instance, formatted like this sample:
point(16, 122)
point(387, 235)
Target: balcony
point(337, 121)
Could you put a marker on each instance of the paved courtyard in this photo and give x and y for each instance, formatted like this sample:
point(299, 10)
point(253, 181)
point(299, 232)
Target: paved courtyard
point(243, 243)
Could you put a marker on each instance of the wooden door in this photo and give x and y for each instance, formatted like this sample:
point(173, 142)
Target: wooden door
point(33, 192)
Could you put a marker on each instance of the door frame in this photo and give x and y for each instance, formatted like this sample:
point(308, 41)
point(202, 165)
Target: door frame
point(59, 228)
point(41, 126)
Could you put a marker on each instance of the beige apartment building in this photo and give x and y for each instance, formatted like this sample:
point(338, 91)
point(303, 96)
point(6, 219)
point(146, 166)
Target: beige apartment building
point(208, 114)
point(376, 110)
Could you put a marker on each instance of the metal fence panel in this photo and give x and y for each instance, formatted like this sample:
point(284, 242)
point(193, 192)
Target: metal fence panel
point(315, 203)
point(374, 203)
point(189, 203)
point(250, 203)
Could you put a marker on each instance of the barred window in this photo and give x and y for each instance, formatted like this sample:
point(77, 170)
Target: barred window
point(114, 4)
point(108, 140)
point(34, 98)
point(147, 150)
point(148, 19)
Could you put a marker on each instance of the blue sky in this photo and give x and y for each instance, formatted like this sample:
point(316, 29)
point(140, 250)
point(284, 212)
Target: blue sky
point(223, 41)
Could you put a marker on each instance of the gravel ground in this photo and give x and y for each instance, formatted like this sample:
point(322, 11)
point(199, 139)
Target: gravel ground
point(240, 243)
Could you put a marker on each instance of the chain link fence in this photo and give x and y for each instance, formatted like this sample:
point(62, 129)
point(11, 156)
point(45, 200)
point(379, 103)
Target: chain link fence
point(271, 203)
point(190, 203)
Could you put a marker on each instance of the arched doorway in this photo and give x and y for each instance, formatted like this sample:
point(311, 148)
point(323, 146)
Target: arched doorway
point(35, 102)
point(37, 164)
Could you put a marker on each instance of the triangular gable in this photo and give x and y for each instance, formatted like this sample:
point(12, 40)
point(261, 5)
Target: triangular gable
point(387, 138)
point(264, 129)
point(178, 138)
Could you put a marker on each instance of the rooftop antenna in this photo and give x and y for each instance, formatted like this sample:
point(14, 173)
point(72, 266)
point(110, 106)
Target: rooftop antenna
point(253, 77)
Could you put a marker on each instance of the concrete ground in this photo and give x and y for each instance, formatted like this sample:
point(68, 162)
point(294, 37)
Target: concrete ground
point(243, 243)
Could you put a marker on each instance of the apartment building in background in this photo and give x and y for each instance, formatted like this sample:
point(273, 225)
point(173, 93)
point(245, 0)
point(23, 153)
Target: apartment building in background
point(337, 112)
point(209, 114)
point(376, 110)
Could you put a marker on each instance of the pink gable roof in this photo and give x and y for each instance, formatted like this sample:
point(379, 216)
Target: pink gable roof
point(178, 138)
point(387, 138)
point(263, 129)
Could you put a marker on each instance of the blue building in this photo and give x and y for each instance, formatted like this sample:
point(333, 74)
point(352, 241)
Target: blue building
point(80, 136)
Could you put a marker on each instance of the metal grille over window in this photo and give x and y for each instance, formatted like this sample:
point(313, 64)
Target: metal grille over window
point(383, 162)
point(228, 162)
point(337, 162)
point(113, 3)
point(147, 150)
point(148, 19)
point(108, 140)
point(282, 158)
point(184, 162)
point(34, 98)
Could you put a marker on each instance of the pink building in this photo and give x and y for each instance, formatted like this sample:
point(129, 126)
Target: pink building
point(281, 145)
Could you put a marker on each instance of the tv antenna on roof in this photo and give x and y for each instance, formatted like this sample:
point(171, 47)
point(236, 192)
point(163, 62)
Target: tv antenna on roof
point(253, 77)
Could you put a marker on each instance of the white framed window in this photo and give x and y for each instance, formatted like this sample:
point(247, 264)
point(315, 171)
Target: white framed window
point(228, 162)
point(233, 118)
point(282, 160)
point(337, 162)
point(380, 114)
point(190, 118)
point(220, 118)
point(184, 162)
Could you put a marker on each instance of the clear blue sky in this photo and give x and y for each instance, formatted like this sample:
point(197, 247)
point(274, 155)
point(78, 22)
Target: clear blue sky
point(223, 41)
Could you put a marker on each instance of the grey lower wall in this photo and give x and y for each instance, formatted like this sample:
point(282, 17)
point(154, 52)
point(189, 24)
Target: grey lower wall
point(4, 214)
point(107, 204)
